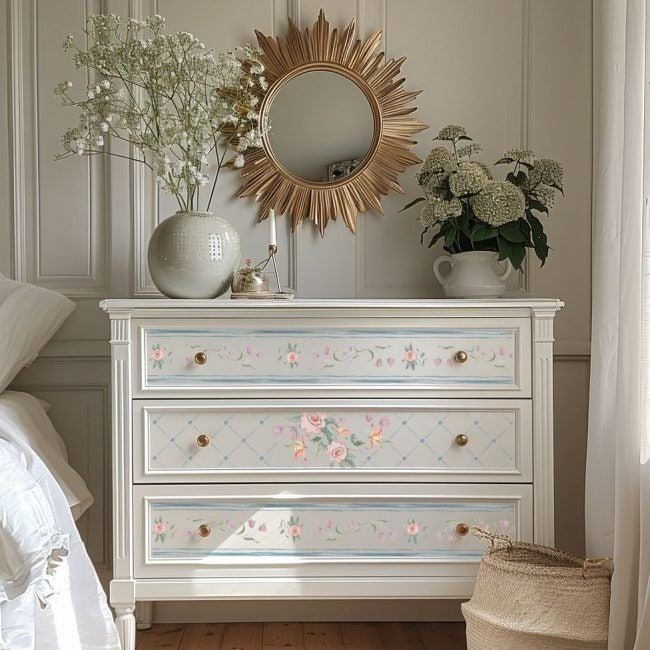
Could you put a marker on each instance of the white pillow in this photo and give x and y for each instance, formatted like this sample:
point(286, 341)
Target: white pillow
point(29, 316)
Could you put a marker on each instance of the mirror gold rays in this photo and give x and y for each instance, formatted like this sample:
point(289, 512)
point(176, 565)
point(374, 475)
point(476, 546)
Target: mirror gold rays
point(337, 126)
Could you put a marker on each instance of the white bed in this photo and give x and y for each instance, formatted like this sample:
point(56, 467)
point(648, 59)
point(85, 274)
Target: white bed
point(50, 597)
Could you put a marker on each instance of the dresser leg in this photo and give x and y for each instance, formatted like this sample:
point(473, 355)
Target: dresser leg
point(144, 614)
point(125, 622)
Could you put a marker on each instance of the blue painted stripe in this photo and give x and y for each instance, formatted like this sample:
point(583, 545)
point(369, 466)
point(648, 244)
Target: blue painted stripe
point(228, 380)
point(432, 554)
point(336, 333)
point(296, 506)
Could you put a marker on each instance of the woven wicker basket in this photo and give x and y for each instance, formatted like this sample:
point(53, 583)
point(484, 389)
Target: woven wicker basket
point(530, 596)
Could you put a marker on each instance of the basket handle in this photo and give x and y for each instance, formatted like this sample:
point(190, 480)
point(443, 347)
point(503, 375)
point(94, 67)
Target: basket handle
point(592, 562)
point(493, 537)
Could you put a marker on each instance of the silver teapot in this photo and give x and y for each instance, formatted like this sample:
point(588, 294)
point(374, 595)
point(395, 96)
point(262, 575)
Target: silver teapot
point(250, 279)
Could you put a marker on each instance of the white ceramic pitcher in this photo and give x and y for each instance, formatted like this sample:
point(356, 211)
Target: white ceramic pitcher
point(473, 274)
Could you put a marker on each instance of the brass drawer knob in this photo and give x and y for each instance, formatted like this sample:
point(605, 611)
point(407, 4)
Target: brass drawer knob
point(460, 356)
point(462, 530)
point(461, 440)
point(202, 440)
point(204, 530)
point(200, 358)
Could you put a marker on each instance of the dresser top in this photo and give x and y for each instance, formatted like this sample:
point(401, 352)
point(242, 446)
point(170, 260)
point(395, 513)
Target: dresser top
point(146, 306)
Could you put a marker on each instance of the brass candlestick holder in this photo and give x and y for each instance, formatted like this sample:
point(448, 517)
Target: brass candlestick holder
point(251, 282)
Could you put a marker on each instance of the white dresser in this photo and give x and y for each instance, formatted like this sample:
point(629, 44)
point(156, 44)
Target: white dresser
point(324, 449)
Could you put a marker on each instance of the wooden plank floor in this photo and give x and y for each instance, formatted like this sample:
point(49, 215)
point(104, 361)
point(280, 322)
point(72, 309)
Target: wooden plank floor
point(304, 636)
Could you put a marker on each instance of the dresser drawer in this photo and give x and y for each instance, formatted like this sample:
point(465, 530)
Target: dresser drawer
point(325, 440)
point(486, 356)
point(226, 530)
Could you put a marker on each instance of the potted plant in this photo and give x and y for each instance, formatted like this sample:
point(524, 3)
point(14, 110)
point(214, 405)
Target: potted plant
point(481, 220)
point(181, 110)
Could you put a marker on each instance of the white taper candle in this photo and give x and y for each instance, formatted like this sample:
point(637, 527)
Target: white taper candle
point(272, 237)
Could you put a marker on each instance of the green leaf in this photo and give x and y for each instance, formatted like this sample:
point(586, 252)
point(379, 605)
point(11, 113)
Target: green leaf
point(505, 249)
point(435, 238)
point(484, 231)
point(464, 224)
point(512, 232)
point(518, 254)
point(412, 203)
point(536, 205)
point(540, 241)
point(513, 252)
point(450, 235)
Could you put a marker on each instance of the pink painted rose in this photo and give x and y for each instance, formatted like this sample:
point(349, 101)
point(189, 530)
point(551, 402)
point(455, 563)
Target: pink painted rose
point(413, 528)
point(158, 354)
point(390, 361)
point(409, 355)
point(337, 451)
point(295, 530)
point(251, 523)
point(160, 527)
point(312, 423)
point(262, 528)
point(292, 357)
point(504, 524)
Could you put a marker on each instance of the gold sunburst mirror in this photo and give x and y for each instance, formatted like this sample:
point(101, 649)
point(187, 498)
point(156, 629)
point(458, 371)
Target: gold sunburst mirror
point(337, 126)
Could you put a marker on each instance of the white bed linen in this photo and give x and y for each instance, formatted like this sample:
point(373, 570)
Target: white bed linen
point(24, 421)
point(76, 616)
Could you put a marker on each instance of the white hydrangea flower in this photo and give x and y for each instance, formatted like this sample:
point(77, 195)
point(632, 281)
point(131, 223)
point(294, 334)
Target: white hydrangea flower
point(468, 180)
point(451, 132)
point(519, 154)
point(498, 202)
point(546, 172)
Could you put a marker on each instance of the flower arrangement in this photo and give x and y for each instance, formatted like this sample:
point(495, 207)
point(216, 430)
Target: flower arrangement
point(471, 211)
point(178, 106)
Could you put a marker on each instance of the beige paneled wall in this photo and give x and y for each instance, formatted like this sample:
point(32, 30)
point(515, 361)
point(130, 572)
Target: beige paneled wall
point(515, 72)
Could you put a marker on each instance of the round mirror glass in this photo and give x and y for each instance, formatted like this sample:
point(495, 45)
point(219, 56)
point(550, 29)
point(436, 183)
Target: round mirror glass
point(321, 126)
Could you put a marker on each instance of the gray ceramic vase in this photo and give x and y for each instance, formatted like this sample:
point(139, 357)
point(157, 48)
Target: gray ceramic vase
point(193, 255)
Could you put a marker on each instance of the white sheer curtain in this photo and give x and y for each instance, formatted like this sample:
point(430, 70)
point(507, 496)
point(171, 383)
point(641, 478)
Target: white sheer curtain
point(618, 471)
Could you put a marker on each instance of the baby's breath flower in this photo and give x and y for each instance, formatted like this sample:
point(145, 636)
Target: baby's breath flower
point(451, 132)
point(468, 180)
point(498, 202)
point(161, 65)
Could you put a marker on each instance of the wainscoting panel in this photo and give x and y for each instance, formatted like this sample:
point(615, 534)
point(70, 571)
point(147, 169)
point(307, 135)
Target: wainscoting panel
point(515, 72)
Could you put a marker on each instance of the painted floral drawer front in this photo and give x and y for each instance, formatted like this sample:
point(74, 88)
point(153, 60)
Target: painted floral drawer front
point(200, 438)
point(185, 357)
point(199, 530)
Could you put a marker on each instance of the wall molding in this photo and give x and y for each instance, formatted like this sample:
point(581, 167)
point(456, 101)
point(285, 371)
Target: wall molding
point(26, 169)
point(17, 141)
